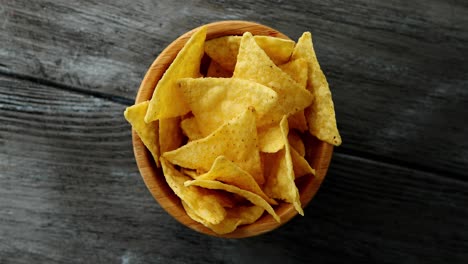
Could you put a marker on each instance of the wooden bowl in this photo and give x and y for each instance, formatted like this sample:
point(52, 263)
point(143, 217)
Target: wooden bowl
point(318, 153)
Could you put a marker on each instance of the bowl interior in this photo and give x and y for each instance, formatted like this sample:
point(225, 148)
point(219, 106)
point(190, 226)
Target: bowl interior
point(318, 153)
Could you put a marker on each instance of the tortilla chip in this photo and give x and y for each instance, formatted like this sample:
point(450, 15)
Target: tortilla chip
point(240, 215)
point(280, 182)
point(252, 197)
point(200, 200)
point(297, 69)
point(236, 140)
point(166, 101)
point(214, 101)
point(321, 114)
point(278, 50)
point(170, 135)
point(224, 50)
point(148, 132)
point(300, 165)
point(228, 172)
point(190, 128)
point(251, 60)
point(191, 173)
point(270, 138)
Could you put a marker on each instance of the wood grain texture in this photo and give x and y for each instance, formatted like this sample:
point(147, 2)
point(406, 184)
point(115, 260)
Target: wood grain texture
point(397, 70)
point(70, 192)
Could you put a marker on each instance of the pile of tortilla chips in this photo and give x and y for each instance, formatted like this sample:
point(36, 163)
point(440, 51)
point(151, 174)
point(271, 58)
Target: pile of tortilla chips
point(229, 139)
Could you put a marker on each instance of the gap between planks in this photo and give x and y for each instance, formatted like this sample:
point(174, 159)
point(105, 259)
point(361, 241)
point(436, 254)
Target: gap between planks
point(56, 85)
point(360, 155)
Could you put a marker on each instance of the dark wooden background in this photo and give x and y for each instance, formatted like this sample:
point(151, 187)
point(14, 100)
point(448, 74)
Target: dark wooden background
point(70, 191)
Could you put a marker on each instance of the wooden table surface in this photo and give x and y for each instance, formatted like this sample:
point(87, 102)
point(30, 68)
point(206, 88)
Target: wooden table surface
point(396, 191)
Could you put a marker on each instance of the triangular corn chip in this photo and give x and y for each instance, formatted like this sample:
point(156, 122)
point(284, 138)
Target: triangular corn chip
point(236, 140)
point(228, 172)
point(297, 69)
point(270, 139)
point(300, 165)
point(240, 215)
point(321, 114)
point(278, 50)
point(148, 132)
point(280, 183)
point(200, 200)
point(251, 60)
point(190, 128)
point(224, 50)
point(170, 135)
point(191, 173)
point(214, 101)
point(252, 197)
point(167, 100)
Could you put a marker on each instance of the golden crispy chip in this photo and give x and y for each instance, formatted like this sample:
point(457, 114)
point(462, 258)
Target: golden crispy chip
point(224, 50)
point(252, 197)
point(252, 60)
point(228, 172)
point(190, 128)
point(321, 114)
point(270, 139)
point(300, 165)
point(296, 142)
point(205, 205)
point(170, 135)
point(280, 182)
point(236, 140)
point(148, 133)
point(297, 69)
point(164, 103)
point(191, 173)
point(279, 50)
point(215, 70)
point(214, 101)
point(240, 215)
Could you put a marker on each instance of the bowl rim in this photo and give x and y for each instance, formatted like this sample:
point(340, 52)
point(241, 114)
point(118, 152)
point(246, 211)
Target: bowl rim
point(153, 177)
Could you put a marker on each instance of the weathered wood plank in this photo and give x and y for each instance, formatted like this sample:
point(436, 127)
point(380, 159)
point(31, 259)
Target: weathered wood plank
point(71, 193)
point(398, 70)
